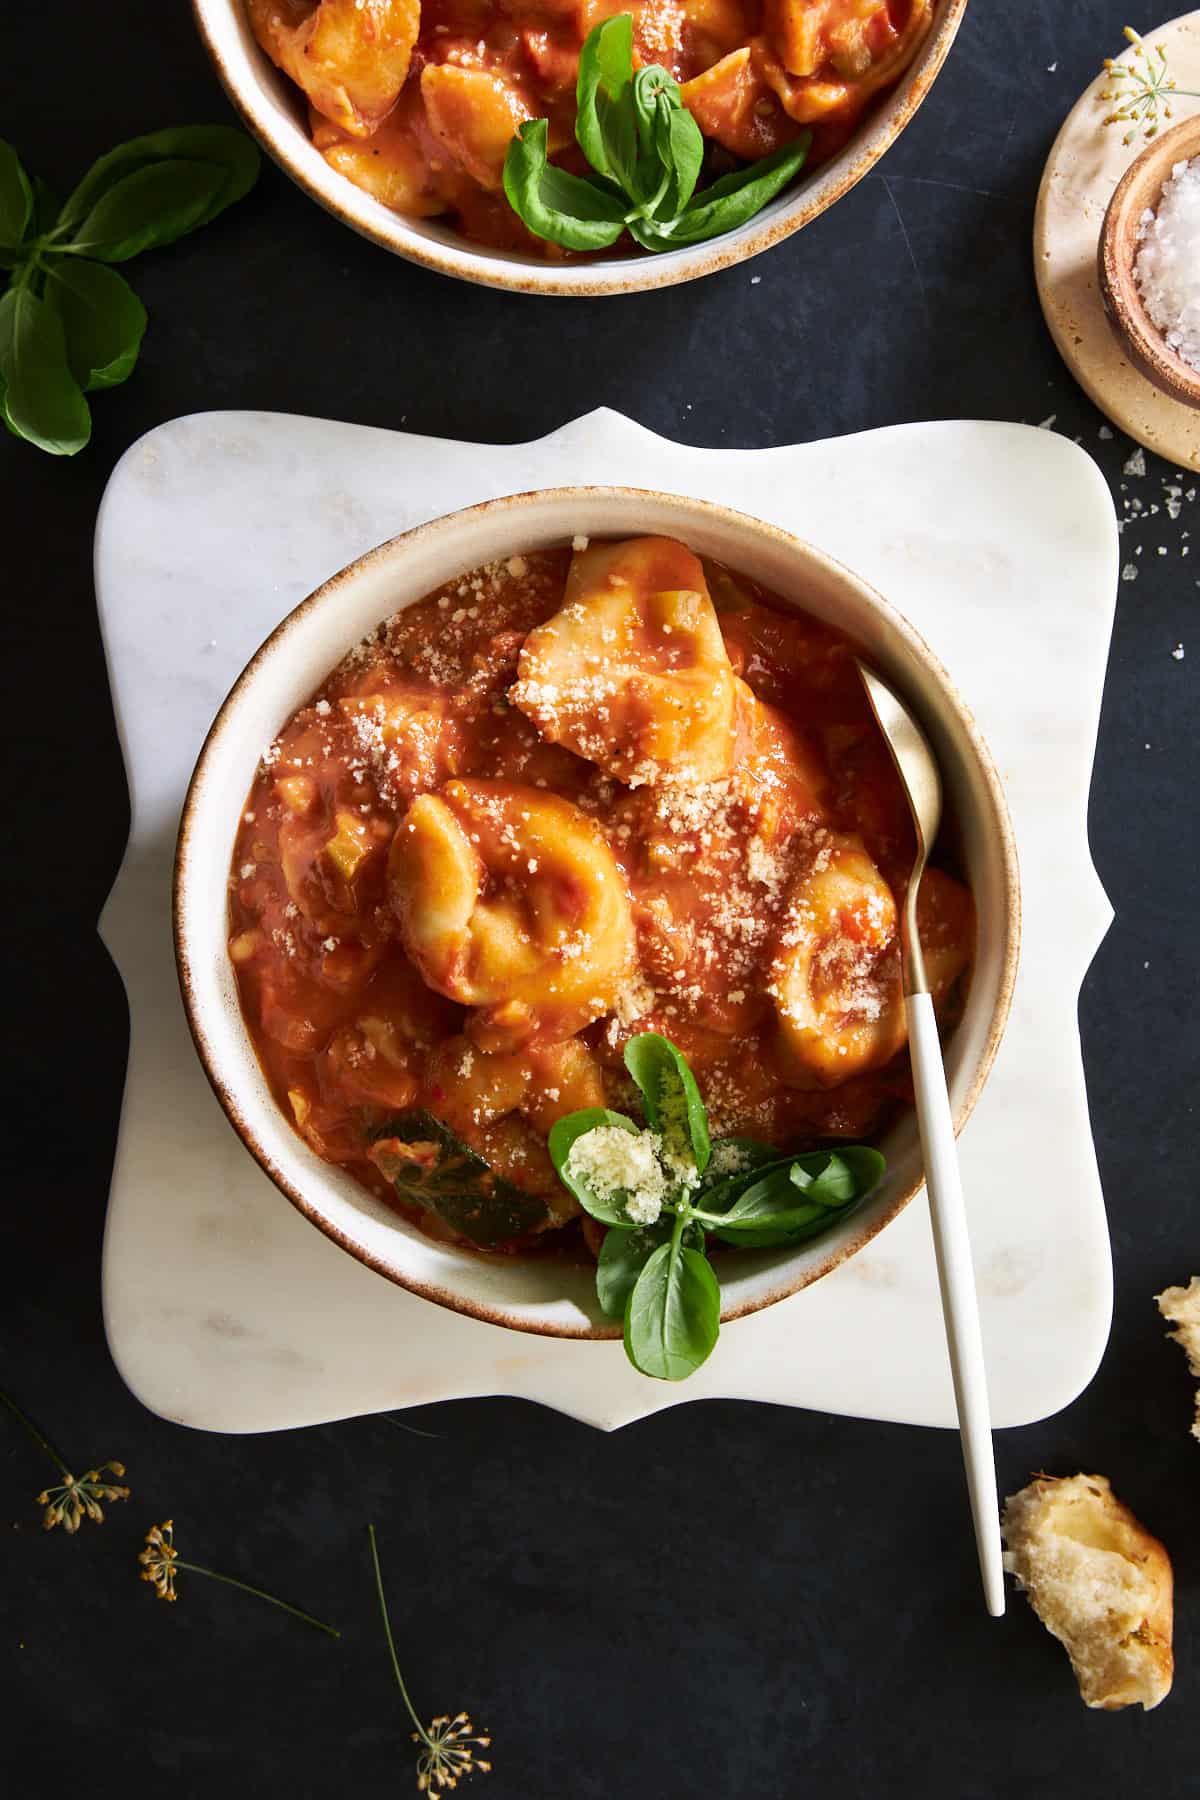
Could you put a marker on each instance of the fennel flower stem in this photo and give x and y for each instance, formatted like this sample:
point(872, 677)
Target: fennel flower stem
point(39, 1437)
point(391, 1644)
point(260, 1594)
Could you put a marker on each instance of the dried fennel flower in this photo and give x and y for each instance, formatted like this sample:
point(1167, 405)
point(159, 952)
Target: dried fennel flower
point(448, 1747)
point(67, 1504)
point(1140, 91)
point(161, 1562)
point(74, 1498)
point(159, 1559)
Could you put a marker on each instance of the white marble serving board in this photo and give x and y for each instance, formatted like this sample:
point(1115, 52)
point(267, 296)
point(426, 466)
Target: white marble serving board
point(225, 1309)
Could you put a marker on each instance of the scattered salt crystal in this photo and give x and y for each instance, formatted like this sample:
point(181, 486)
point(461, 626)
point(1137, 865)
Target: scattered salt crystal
point(754, 280)
point(1167, 262)
point(1050, 68)
point(1136, 464)
point(579, 542)
point(1129, 572)
point(1177, 653)
point(1047, 424)
point(1105, 433)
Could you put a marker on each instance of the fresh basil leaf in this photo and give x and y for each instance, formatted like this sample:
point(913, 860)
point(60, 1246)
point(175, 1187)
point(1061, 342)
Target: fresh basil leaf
point(686, 154)
point(623, 1256)
point(562, 208)
point(673, 1316)
point(41, 219)
point(655, 100)
point(836, 1177)
point(149, 208)
point(563, 1133)
point(219, 146)
point(715, 1204)
point(770, 1193)
point(16, 198)
point(102, 317)
point(605, 118)
point(42, 400)
point(866, 1166)
point(794, 1227)
point(718, 1193)
point(672, 1099)
point(728, 203)
point(430, 1166)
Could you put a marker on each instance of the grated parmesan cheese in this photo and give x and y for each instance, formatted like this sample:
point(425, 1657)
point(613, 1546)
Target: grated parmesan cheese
point(617, 1165)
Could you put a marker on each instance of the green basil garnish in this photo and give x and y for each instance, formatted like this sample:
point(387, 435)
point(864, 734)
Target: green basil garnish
point(673, 1315)
point(68, 322)
point(652, 1270)
point(564, 209)
point(646, 150)
point(672, 1099)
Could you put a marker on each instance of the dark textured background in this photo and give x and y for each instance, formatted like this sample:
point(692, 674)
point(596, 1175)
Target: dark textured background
point(728, 1599)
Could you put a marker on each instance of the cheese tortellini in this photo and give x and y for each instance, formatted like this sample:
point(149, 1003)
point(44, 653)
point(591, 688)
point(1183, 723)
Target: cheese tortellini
point(510, 901)
point(836, 977)
point(632, 671)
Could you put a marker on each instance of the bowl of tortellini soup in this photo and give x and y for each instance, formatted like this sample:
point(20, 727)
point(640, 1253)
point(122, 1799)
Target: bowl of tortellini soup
point(570, 147)
point(535, 780)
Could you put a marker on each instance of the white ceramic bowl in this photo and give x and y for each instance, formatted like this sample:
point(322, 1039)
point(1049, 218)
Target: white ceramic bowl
point(274, 111)
point(545, 1295)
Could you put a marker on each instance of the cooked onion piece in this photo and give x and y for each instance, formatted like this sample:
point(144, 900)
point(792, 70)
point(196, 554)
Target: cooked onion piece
point(351, 57)
point(509, 900)
point(632, 671)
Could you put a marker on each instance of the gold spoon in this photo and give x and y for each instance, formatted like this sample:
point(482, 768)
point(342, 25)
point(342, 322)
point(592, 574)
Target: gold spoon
point(918, 771)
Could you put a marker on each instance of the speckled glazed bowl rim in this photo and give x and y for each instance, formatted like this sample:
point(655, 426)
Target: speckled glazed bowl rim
point(261, 96)
point(816, 583)
point(1140, 187)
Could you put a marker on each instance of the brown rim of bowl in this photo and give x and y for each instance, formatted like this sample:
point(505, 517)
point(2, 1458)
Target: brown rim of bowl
point(520, 278)
point(1141, 187)
point(709, 512)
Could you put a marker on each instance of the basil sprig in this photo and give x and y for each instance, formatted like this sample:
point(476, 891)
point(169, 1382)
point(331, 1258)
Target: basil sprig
point(68, 322)
point(657, 1277)
point(646, 151)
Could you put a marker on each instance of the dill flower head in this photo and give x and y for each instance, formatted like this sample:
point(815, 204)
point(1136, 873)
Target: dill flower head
point(159, 1559)
point(73, 1500)
point(1138, 91)
point(448, 1752)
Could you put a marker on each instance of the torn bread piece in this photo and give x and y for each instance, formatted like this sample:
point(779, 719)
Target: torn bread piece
point(1180, 1306)
point(1099, 1582)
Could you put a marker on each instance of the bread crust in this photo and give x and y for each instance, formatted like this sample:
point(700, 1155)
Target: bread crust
point(1100, 1582)
point(1180, 1306)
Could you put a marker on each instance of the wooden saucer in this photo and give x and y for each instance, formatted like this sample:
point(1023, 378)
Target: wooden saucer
point(1082, 171)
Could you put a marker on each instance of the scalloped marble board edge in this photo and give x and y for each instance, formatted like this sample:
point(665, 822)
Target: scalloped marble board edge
point(225, 1309)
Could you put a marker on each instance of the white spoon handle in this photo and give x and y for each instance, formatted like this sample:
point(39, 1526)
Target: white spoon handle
point(957, 1280)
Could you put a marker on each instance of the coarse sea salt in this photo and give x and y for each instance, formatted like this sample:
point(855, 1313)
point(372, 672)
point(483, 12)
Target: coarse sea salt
point(1168, 261)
